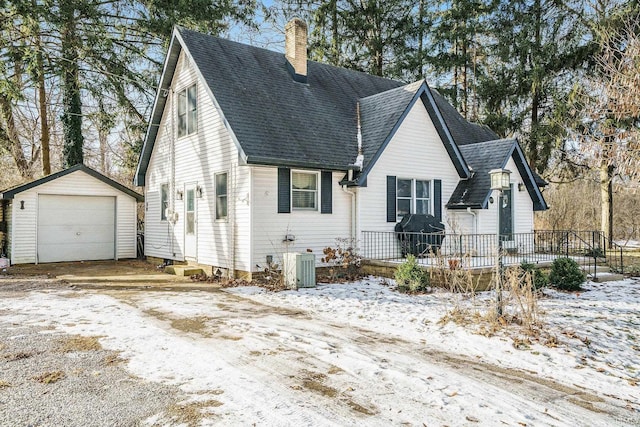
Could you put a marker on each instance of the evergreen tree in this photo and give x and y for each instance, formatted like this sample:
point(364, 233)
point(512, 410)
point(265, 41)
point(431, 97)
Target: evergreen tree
point(537, 46)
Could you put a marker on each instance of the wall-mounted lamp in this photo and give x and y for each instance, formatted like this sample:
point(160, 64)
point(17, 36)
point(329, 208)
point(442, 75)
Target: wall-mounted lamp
point(179, 194)
point(491, 199)
point(21, 204)
point(520, 186)
point(499, 179)
point(199, 192)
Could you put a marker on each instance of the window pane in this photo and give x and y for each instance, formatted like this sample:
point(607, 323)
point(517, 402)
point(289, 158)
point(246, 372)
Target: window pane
point(192, 122)
point(182, 125)
point(304, 181)
point(404, 188)
point(191, 226)
point(303, 199)
point(182, 102)
point(422, 189)
point(422, 207)
point(190, 200)
point(164, 201)
point(221, 207)
point(404, 207)
point(221, 184)
point(191, 98)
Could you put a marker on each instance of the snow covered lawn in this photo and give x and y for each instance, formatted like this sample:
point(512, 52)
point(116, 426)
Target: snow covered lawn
point(362, 354)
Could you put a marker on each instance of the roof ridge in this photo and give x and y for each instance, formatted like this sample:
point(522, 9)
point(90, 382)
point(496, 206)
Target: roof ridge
point(417, 83)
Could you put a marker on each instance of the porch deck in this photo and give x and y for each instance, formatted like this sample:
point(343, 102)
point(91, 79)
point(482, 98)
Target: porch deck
point(479, 251)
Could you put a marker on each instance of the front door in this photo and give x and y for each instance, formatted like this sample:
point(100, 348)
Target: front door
point(190, 221)
point(505, 208)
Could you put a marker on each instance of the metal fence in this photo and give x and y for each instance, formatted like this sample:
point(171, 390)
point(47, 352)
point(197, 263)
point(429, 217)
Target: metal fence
point(479, 250)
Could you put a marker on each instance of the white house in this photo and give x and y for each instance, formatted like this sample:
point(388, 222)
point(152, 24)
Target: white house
point(251, 153)
point(73, 215)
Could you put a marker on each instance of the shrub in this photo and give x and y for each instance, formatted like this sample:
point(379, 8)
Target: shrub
point(633, 270)
point(538, 277)
point(410, 277)
point(566, 275)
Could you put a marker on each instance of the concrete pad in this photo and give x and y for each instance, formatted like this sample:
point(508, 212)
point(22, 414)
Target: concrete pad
point(182, 270)
point(607, 277)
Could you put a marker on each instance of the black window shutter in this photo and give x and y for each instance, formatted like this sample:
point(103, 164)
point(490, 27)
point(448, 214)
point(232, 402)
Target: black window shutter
point(391, 199)
point(284, 190)
point(437, 199)
point(326, 199)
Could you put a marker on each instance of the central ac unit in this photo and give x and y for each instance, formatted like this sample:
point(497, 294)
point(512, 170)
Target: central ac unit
point(299, 270)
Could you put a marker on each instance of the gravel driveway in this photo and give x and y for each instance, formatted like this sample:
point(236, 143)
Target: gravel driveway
point(49, 378)
point(137, 357)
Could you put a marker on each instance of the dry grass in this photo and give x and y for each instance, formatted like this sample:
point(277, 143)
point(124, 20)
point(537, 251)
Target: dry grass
point(114, 359)
point(17, 356)
point(80, 343)
point(4, 384)
point(196, 325)
point(517, 304)
point(49, 377)
point(191, 413)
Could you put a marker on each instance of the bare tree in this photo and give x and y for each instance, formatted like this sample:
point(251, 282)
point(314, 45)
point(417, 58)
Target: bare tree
point(609, 132)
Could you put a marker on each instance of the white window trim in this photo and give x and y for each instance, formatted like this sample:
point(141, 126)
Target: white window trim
point(414, 198)
point(215, 195)
point(317, 190)
point(185, 89)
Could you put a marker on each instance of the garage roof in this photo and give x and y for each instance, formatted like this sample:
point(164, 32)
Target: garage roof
point(10, 193)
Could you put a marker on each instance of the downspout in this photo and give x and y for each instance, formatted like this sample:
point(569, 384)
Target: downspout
point(172, 175)
point(475, 220)
point(353, 227)
point(232, 219)
point(359, 164)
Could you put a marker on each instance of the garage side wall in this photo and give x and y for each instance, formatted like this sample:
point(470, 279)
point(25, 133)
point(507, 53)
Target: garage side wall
point(25, 221)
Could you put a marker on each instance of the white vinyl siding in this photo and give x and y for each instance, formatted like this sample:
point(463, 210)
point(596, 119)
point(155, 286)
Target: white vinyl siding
point(311, 230)
point(415, 152)
point(198, 156)
point(25, 221)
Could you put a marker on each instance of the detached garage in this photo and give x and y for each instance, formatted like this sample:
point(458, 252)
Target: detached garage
point(77, 214)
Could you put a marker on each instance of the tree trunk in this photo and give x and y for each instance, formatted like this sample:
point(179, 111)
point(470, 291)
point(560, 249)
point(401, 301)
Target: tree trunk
point(10, 140)
point(72, 116)
point(606, 197)
point(44, 121)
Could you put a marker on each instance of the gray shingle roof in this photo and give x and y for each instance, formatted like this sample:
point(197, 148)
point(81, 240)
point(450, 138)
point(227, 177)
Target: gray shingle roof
point(277, 121)
point(483, 157)
point(10, 193)
point(282, 122)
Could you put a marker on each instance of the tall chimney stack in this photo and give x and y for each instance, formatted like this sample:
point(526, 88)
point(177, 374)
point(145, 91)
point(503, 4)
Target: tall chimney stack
point(295, 46)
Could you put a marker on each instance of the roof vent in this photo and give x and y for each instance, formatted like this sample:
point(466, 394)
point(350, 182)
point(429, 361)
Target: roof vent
point(295, 46)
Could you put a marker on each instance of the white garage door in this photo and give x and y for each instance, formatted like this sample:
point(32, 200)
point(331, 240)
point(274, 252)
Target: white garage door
point(75, 228)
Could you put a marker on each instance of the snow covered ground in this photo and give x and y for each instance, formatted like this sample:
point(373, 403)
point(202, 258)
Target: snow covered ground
point(363, 354)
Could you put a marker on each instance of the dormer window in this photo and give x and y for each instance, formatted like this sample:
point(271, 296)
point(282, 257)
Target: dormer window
point(187, 111)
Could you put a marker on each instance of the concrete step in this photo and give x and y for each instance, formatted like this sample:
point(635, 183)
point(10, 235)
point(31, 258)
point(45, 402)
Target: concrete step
point(183, 270)
point(607, 277)
point(138, 278)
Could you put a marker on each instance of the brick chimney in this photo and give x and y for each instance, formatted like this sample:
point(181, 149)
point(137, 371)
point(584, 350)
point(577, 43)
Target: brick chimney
point(295, 46)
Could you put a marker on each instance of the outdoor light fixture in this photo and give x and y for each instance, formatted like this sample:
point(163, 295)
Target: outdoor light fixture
point(199, 192)
point(179, 194)
point(520, 186)
point(500, 179)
